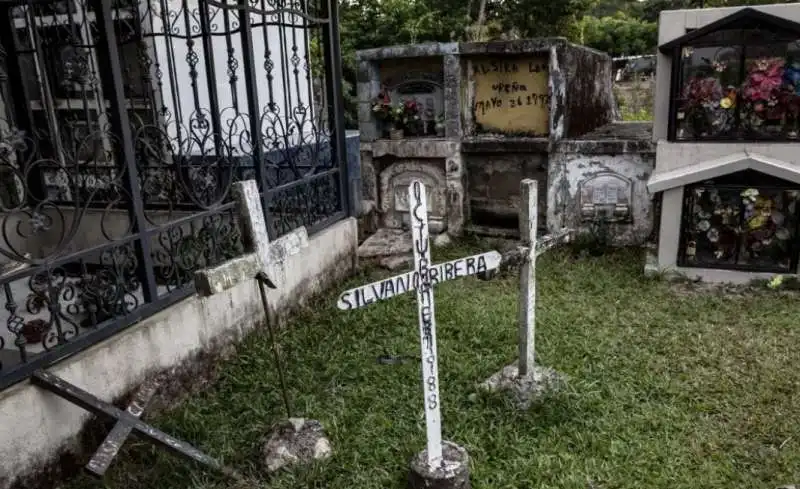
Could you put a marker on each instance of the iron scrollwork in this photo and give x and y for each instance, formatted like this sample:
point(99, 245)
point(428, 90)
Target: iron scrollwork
point(90, 211)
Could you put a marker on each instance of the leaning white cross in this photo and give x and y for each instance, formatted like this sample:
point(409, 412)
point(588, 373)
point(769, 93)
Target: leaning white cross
point(421, 279)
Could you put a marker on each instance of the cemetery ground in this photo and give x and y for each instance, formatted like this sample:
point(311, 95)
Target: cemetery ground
point(670, 387)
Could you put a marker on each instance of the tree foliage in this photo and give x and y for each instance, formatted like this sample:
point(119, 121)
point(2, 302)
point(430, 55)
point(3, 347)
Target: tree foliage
point(618, 27)
point(618, 35)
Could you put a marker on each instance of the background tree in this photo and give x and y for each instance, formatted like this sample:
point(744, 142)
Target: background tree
point(618, 35)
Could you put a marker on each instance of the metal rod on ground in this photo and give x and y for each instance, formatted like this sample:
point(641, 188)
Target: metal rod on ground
point(263, 280)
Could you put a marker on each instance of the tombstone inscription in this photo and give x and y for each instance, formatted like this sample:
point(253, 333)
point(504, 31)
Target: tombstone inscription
point(512, 95)
point(422, 279)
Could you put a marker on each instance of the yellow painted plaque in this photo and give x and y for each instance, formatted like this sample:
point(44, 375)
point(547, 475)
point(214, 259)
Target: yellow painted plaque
point(511, 95)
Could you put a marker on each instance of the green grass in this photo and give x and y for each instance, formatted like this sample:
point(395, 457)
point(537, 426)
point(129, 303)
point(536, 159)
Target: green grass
point(669, 389)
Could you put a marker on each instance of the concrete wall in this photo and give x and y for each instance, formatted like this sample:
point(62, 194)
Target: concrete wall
point(37, 426)
point(589, 95)
point(493, 163)
point(494, 186)
point(621, 150)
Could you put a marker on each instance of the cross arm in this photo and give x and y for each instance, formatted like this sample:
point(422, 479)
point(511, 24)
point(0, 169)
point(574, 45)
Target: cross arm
point(406, 282)
point(550, 241)
point(113, 442)
point(89, 402)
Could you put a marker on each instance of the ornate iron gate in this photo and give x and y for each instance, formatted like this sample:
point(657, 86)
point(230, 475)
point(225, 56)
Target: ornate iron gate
point(123, 124)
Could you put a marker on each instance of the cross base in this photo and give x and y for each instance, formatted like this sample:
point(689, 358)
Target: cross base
point(295, 441)
point(453, 473)
point(527, 389)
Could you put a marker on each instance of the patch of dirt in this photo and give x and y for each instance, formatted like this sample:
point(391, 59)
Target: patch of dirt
point(688, 288)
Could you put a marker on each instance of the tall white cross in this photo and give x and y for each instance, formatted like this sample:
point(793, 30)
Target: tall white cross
point(530, 249)
point(422, 279)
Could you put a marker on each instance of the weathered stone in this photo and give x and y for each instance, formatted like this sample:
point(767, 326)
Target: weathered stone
point(414, 148)
point(394, 182)
point(386, 242)
point(295, 441)
point(395, 262)
point(217, 279)
point(452, 474)
point(483, 170)
point(408, 51)
point(452, 91)
point(529, 389)
point(442, 240)
point(572, 170)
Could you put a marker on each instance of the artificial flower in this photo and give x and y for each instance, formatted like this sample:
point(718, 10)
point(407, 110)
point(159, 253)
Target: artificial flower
point(750, 194)
point(713, 235)
point(776, 282)
point(726, 103)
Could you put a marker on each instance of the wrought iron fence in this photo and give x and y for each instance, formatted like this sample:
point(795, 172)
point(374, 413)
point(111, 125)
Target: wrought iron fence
point(123, 125)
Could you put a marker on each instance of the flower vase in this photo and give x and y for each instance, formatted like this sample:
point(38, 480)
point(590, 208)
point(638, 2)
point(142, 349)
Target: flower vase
point(396, 134)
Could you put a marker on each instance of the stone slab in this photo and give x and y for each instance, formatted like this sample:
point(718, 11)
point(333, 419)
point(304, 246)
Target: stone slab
point(216, 280)
point(386, 242)
point(527, 390)
point(295, 441)
point(452, 474)
point(396, 262)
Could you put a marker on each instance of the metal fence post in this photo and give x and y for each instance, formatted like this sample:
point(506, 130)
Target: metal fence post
point(118, 113)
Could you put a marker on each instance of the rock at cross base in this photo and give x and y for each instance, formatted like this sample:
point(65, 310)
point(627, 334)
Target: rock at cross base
point(295, 441)
point(453, 473)
point(442, 240)
point(528, 389)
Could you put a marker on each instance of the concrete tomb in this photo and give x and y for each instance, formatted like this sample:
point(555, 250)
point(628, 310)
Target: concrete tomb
point(541, 109)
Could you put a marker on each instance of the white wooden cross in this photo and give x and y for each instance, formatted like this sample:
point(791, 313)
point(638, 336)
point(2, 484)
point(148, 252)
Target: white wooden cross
point(531, 248)
point(422, 279)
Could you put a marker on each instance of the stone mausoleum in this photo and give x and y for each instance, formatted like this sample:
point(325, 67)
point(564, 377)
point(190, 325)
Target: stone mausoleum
point(726, 128)
point(711, 186)
point(489, 115)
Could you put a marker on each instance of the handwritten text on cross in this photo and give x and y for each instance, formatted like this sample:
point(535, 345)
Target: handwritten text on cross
point(422, 279)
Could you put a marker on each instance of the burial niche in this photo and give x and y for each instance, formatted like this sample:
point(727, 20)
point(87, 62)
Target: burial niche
point(394, 193)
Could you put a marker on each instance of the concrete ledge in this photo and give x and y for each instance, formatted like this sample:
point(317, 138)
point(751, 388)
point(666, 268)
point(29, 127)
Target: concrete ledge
point(605, 146)
point(517, 46)
point(408, 51)
point(38, 426)
point(415, 148)
point(746, 160)
point(505, 145)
